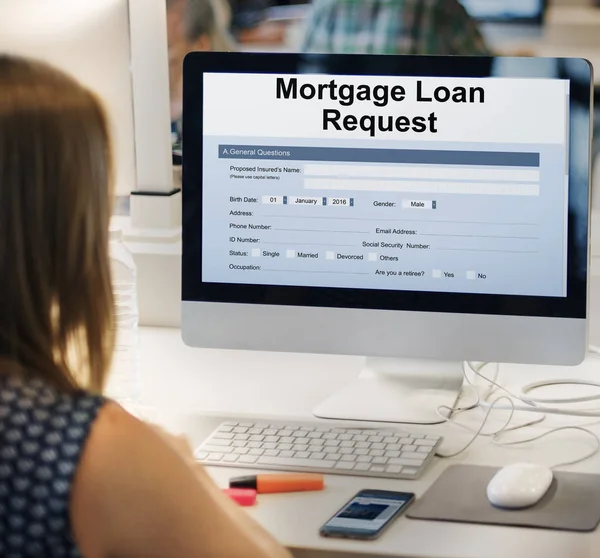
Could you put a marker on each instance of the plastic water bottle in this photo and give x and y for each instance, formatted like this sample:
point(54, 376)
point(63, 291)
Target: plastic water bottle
point(124, 382)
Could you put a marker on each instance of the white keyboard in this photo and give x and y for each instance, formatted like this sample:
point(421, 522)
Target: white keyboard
point(387, 453)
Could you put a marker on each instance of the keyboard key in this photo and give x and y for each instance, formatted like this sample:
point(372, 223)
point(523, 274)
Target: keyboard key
point(395, 469)
point(223, 436)
point(379, 460)
point(256, 452)
point(251, 458)
point(240, 430)
point(214, 457)
point(329, 436)
point(378, 446)
point(361, 451)
point(363, 445)
point(315, 434)
point(299, 434)
point(239, 444)
point(375, 439)
point(392, 454)
point(417, 436)
point(301, 447)
point(362, 467)
point(317, 442)
point(349, 457)
point(318, 455)
point(345, 437)
point(201, 455)
point(377, 469)
point(424, 449)
point(270, 432)
point(410, 471)
point(405, 462)
point(256, 438)
point(291, 462)
point(333, 456)
point(255, 431)
point(228, 424)
point(285, 432)
point(231, 458)
point(412, 455)
point(254, 445)
point(242, 436)
point(376, 453)
point(345, 451)
point(217, 442)
point(246, 424)
point(360, 438)
point(284, 447)
point(364, 459)
point(425, 442)
point(241, 451)
point(391, 440)
point(272, 452)
point(302, 454)
point(287, 439)
point(344, 465)
point(269, 445)
point(286, 453)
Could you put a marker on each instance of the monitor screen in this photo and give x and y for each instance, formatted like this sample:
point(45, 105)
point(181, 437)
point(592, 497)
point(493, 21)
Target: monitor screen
point(506, 10)
point(453, 185)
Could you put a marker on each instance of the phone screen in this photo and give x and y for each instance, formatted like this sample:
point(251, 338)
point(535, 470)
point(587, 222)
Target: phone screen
point(367, 514)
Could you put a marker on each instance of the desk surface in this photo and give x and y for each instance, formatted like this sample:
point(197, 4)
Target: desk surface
point(180, 384)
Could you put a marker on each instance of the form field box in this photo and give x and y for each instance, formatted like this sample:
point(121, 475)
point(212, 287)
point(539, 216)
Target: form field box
point(436, 273)
point(423, 172)
point(290, 253)
point(471, 275)
point(255, 252)
point(372, 256)
point(439, 187)
point(329, 255)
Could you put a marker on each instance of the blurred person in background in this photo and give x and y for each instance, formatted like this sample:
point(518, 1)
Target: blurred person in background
point(392, 27)
point(192, 25)
point(250, 25)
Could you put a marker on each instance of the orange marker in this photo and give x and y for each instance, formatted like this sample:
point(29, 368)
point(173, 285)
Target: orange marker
point(274, 483)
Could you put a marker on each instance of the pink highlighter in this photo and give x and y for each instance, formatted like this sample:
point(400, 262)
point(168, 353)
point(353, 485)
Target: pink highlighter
point(243, 496)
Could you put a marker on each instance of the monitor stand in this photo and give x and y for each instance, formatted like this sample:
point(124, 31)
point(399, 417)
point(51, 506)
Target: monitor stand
point(397, 390)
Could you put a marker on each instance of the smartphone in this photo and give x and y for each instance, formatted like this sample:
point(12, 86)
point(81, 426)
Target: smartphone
point(367, 514)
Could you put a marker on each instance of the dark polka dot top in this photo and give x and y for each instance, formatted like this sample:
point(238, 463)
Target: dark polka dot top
point(42, 435)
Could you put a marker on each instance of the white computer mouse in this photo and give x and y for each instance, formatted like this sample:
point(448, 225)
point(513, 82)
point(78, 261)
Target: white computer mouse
point(519, 485)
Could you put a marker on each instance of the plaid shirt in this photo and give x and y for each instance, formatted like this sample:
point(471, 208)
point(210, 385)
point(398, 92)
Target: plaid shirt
point(392, 27)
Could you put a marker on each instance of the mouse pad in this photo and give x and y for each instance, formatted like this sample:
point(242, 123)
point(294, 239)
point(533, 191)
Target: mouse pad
point(571, 504)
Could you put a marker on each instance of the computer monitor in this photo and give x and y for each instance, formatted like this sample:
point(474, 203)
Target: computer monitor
point(509, 11)
point(419, 211)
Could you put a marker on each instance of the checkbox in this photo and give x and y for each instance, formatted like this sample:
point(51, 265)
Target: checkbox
point(372, 256)
point(330, 255)
point(436, 273)
point(290, 254)
point(255, 252)
point(471, 275)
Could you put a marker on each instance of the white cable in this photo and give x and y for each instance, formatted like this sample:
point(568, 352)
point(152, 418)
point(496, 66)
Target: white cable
point(595, 451)
point(512, 407)
point(478, 432)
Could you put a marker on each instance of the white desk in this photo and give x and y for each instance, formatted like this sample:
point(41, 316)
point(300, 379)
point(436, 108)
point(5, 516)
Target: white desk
point(180, 382)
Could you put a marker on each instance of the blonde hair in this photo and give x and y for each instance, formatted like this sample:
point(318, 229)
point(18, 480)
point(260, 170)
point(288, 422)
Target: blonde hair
point(56, 302)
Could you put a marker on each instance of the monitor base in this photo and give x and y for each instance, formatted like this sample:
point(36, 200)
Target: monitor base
point(397, 390)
